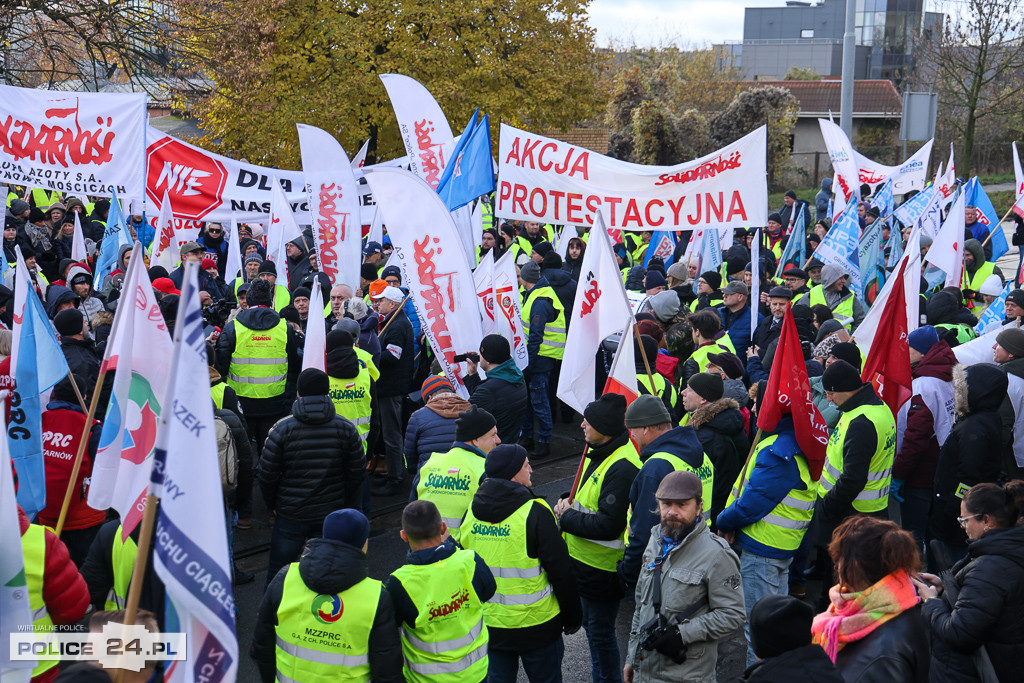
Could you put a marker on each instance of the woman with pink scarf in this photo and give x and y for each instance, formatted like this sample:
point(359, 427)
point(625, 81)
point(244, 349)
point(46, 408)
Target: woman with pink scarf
point(873, 629)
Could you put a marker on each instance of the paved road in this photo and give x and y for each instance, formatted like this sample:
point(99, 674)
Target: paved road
point(387, 552)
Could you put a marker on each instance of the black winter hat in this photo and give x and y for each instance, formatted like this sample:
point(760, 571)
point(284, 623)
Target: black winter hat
point(607, 415)
point(775, 217)
point(301, 292)
point(708, 386)
point(313, 382)
point(551, 260)
point(505, 460)
point(543, 248)
point(713, 279)
point(841, 376)
point(847, 351)
point(495, 349)
point(268, 267)
point(778, 624)
point(473, 423)
point(69, 321)
point(367, 271)
point(654, 279)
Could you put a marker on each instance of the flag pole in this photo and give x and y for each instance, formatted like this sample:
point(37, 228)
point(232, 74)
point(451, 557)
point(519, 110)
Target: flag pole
point(78, 392)
point(82, 444)
point(400, 307)
point(643, 354)
point(998, 225)
point(746, 463)
point(579, 473)
point(141, 557)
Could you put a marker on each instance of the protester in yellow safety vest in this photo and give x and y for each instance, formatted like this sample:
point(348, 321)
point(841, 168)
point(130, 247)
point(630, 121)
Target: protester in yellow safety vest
point(977, 269)
point(268, 273)
point(860, 453)
point(709, 293)
point(250, 271)
point(516, 535)
point(769, 511)
point(449, 480)
point(108, 567)
point(323, 619)
point(834, 293)
point(350, 378)
point(439, 597)
point(544, 321)
point(654, 383)
point(663, 449)
point(594, 524)
point(532, 234)
point(708, 337)
point(795, 280)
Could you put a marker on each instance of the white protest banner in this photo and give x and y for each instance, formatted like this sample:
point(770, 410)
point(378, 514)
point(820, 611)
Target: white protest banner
point(315, 348)
point(846, 185)
point(508, 317)
point(483, 278)
point(434, 267)
point(947, 251)
point(910, 175)
point(204, 186)
point(545, 180)
point(191, 551)
point(165, 246)
point(425, 131)
point(75, 142)
point(78, 251)
point(333, 204)
point(281, 230)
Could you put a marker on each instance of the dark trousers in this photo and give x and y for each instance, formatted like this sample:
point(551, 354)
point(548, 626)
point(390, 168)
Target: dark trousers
point(542, 665)
point(259, 426)
point(394, 435)
point(78, 542)
point(286, 543)
point(914, 510)
point(599, 623)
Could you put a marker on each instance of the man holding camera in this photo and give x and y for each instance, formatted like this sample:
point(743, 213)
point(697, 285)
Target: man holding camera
point(690, 594)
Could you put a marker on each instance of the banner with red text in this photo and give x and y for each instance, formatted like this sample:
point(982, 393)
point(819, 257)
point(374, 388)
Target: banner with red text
point(434, 268)
point(546, 180)
point(74, 142)
point(425, 131)
point(333, 204)
point(846, 184)
point(910, 175)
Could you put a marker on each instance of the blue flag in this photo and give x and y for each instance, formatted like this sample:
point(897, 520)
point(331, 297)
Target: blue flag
point(987, 216)
point(711, 251)
point(993, 316)
point(841, 247)
point(662, 245)
point(883, 198)
point(914, 208)
point(871, 254)
point(41, 364)
point(470, 170)
point(795, 253)
point(895, 247)
point(114, 236)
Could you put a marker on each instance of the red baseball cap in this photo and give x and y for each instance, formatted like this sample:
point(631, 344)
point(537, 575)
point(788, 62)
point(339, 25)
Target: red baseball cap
point(165, 285)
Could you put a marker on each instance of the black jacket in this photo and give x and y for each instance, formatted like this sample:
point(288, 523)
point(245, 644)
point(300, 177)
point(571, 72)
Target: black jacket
point(989, 610)
point(84, 359)
point(396, 370)
point(805, 664)
point(972, 453)
point(765, 335)
point(494, 502)
point(98, 572)
point(859, 442)
point(895, 651)
point(261, 318)
point(504, 395)
point(607, 524)
point(330, 567)
point(719, 426)
point(312, 463)
point(565, 288)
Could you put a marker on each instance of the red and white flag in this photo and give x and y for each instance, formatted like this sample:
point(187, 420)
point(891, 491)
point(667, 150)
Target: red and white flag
point(789, 392)
point(622, 375)
point(314, 351)
point(508, 315)
point(483, 278)
point(910, 266)
point(165, 244)
point(600, 311)
point(140, 350)
point(947, 250)
point(887, 366)
point(1018, 176)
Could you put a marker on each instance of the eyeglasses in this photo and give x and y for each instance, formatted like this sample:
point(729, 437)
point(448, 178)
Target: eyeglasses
point(962, 521)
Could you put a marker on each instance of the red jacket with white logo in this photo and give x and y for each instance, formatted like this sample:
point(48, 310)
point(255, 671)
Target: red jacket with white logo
point(62, 432)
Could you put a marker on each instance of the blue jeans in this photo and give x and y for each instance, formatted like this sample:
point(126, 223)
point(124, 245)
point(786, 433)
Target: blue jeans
point(286, 542)
point(762, 576)
point(539, 404)
point(599, 623)
point(542, 665)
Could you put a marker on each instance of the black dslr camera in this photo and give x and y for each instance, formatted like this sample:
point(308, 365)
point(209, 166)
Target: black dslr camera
point(662, 635)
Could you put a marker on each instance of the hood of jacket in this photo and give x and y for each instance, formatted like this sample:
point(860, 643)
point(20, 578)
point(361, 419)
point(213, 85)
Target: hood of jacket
point(329, 567)
point(121, 251)
point(370, 322)
point(496, 499)
point(826, 184)
point(448, 405)
point(1008, 543)
point(722, 416)
point(313, 409)
point(942, 308)
point(342, 362)
point(259, 318)
point(680, 441)
point(737, 391)
point(557, 277)
point(978, 388)
point(57, 295)
point(507, 371)
point(937, 363)
point(976, 250)
point(1014, 366)
point(78, 269)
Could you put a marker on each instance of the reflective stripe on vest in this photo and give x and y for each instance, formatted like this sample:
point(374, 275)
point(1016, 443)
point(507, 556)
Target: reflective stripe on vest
point(345, 620)
point(450, 480)
point(963, 333)
point(351, 399)
point(33, 547)
point(523, 597)
point(875, 495)
point(785, 525)
point(450, 635)
point(599, 554)
point(553, 343)
point(259, 364)
point(122, 563)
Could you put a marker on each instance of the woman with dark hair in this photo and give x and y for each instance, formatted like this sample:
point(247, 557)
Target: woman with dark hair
point(821, 314)
point(873, 629)
point(573, 262)
point(978, 623)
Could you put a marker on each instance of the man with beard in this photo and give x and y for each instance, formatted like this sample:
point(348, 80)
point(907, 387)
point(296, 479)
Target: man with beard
point(690, 594)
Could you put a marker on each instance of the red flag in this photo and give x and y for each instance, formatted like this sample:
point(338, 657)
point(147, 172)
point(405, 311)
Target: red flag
point(789, 392)
point(888, 363)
